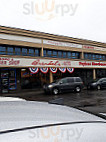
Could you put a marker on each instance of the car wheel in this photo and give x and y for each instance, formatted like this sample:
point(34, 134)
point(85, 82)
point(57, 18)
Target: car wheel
point(78, 89)
point(98, 87)
point(55, 91)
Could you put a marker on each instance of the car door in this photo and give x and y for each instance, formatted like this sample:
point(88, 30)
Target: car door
point(63, 85)
point(71, 84)
point(103, 83)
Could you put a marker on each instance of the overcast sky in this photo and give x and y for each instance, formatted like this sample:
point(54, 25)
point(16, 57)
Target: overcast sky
point(84, 19)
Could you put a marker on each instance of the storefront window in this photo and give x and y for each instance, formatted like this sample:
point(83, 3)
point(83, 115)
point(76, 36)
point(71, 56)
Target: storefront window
point(73, 55)
point(8, 80)
point(24, 51)
point(44, 53)
point(55, 54)
point(100, 57)
point(37, 52)
point(69, 54)
point(2, 50)
point(59, 54)
point(49, 53)
point(97, 57)
point(64, 54)
point(93, 56)
point(90, 56)
point(86, 56)
point(31, 52)
point(103, 58)
point(10, 51)
point(17, 51)
point(77, 55)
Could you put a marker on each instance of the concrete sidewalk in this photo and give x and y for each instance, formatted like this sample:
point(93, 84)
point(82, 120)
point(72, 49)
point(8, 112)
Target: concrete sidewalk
point(27, 93)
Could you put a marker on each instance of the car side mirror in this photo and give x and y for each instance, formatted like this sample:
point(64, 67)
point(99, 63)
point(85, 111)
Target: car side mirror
point(61, 83)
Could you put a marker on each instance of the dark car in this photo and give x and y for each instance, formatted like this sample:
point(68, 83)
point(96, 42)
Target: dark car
point(97, 84)
point(64, 85)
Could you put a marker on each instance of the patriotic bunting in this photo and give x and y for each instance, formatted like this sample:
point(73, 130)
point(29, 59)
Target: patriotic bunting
point(70, 70)
point(34, 70)
point(44, 70)
point(63, 70)
point(53, 70)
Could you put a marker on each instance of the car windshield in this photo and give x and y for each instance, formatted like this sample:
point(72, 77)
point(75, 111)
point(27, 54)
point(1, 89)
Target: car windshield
point(95, 80)
point(56, 81)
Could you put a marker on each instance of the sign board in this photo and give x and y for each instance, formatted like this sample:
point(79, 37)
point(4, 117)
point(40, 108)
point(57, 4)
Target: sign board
point(94, 48)
point(65, 44)
point(20, 38)
point(28, 62)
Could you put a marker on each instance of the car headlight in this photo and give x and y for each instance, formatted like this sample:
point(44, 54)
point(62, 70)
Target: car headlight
point(50, 86)
point(93, 83)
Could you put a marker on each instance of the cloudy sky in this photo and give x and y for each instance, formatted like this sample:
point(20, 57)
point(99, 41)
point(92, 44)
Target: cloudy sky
point(74, 18)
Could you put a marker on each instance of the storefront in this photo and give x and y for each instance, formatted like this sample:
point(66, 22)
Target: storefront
point(8, 81)
point(30, 59)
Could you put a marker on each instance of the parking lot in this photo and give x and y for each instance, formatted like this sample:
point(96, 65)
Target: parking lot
point(89, 100)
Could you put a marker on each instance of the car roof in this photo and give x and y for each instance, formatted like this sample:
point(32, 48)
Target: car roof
point(70, 77)
point(18, 114)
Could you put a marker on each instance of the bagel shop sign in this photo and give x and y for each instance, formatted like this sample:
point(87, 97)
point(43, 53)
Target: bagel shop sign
point(31, 62)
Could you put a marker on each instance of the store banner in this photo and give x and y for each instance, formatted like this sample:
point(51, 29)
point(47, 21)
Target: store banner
point(70, 70)
point(53, 70)
point(63, 70)
point(44, 70)
point(93, 48)
point(49, 63)
point(64, 44)
point(34, 70)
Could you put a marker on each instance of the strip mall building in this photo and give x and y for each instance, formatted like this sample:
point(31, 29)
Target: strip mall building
point(23, 49)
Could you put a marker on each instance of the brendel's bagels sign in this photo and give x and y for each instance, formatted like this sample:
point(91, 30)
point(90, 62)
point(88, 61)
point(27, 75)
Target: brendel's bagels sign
point(25, 62)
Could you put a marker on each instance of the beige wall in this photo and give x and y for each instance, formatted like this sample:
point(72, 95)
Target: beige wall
point(18, 37)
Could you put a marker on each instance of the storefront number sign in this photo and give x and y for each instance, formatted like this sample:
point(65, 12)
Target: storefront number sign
point(34, 70)
point(44, 70)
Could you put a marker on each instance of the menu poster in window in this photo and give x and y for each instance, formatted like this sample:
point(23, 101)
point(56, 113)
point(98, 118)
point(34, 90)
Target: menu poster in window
point(12, 80)
point(5, 85)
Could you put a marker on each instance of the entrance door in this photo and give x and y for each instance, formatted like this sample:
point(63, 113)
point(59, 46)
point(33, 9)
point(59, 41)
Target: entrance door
point(8, 80)
point(4, 81)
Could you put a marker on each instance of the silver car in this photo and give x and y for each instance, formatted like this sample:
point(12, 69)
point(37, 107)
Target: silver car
point(22, 120)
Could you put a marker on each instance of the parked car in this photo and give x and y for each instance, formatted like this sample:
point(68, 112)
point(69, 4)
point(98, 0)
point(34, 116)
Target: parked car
point(22, 120)
point(64, 85)
point(97, 84)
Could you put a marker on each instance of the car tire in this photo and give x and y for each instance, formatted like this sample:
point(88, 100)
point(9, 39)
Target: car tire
point(98, 87)
point(78, 89)
point(55, 91)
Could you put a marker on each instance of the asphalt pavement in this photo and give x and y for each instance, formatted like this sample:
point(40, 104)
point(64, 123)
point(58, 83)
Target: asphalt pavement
point(89, 100)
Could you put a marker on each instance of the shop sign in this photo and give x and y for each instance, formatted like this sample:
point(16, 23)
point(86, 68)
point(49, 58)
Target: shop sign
point(51, 63)
point(9, 61)
point(94, 48)
point(92, 64)
point(20, 38)
point(47, 63)
point(65, 44)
